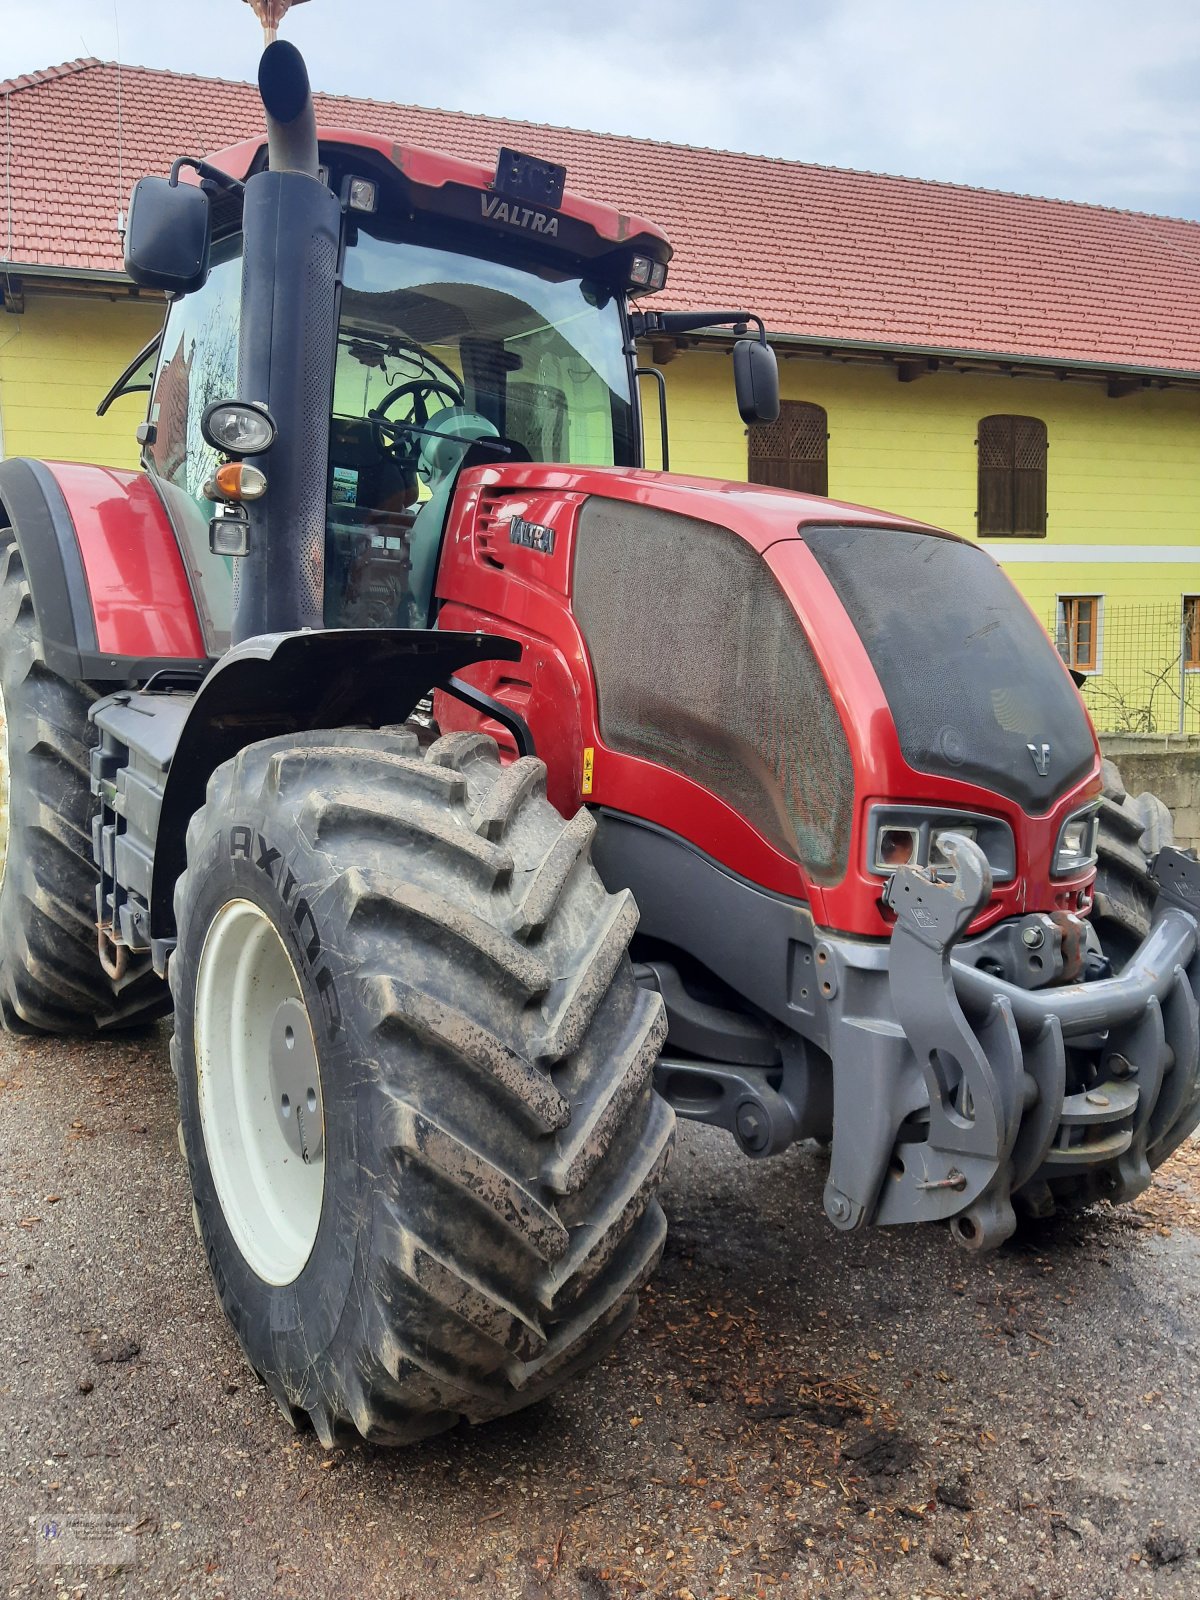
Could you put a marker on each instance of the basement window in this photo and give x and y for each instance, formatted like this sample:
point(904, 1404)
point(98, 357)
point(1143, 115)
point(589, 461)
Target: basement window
point(1080, 623)
point(793, 451)
point(1012, 478)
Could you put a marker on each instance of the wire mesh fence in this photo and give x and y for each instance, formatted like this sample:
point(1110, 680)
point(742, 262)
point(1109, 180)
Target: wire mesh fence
point(1141, 662)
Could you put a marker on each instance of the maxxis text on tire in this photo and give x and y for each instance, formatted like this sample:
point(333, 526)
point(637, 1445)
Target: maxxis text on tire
point(492, 1141)
point(51, 980)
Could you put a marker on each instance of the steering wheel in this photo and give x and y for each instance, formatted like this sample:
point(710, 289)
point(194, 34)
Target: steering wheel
point(388, 432)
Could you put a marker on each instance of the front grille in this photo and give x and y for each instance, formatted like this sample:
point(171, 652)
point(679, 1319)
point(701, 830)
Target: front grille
point(970, 676)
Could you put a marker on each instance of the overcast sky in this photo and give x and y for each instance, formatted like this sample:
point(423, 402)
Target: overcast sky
point(1081, 99)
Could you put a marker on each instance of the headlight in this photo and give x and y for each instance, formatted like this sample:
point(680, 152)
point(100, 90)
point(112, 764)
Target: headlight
point(904, 836)
point(238, 427)
point(896, 847)
point(1076, 847)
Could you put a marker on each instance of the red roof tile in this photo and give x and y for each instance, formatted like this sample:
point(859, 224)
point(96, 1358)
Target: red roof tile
point(819, 252)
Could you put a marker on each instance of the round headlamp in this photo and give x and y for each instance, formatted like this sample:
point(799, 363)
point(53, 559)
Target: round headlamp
point(238, 427)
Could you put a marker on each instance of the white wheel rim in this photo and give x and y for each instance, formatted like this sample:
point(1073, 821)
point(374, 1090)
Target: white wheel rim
point(259, 1089)
point(4, 787)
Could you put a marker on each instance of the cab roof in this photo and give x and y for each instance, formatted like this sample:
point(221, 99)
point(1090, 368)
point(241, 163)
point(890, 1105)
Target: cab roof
point(436, 177)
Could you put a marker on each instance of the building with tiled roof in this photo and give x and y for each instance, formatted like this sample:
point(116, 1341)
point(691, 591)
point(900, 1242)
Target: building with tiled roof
point(1022, 369)
point(844, 259)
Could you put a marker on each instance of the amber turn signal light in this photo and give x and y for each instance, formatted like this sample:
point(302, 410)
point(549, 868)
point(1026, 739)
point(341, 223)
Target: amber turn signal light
point(234, 480)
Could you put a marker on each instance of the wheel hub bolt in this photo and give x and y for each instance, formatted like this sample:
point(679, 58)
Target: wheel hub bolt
point(296, 1082)
point(752, 1128)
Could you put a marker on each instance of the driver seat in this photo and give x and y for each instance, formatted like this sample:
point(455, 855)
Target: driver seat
point(443, 449)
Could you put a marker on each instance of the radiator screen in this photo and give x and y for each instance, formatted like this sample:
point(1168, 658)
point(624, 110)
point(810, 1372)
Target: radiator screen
point(702, 667)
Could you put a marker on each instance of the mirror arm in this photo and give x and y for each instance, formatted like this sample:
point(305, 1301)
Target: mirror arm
point(208, 173)
point(645, 324)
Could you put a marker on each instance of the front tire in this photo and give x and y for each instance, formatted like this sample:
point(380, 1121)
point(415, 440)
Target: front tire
point(482, 1115)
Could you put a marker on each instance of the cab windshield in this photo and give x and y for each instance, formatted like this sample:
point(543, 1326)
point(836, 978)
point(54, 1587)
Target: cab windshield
point(446, 359)
point(443, 359)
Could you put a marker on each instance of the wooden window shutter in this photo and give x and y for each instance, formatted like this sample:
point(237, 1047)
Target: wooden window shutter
point(793, 451)
point(1012, 477)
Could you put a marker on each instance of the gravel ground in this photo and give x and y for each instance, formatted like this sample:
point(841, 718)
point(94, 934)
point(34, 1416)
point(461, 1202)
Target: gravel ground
point(797, 1413)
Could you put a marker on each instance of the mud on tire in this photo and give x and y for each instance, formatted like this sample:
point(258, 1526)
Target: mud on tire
point(492, 1140)
point(51, 980)
point(1133, 829)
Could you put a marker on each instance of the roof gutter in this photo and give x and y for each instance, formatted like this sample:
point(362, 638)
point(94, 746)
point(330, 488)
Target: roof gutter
point(87, 283)
point(25, 269)
point(117, 282)
point(818, 346)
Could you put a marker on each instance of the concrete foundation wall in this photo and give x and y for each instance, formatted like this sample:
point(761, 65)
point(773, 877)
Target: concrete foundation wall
point(1167, 764)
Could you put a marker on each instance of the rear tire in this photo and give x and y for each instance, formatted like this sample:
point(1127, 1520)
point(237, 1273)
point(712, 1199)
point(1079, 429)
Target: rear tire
point(488, 1135)
point(51, 980)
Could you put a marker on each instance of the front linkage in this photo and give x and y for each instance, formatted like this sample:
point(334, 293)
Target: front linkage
point(956, 1091)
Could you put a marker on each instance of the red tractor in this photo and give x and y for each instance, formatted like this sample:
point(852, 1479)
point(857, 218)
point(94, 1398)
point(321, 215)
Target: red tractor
point(748, 806)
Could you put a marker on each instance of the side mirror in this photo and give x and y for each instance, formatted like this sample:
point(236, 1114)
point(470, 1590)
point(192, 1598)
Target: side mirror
point(168, 235)
point(756, 381)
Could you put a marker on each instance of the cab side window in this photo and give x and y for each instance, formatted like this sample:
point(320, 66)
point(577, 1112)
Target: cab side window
point(197, 364)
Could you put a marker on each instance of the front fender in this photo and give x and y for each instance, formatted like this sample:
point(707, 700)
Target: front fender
point(109, 588)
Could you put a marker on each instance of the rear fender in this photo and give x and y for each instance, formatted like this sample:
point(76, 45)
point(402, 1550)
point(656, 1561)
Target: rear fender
point(159, 746)
point(109, 587)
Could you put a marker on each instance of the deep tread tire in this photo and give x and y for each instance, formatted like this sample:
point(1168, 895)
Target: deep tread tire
point(51, 980)
point(492, 1139)
point(1132, 831)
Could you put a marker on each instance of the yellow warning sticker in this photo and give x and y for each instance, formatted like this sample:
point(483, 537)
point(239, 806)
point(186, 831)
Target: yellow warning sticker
point(589, 759)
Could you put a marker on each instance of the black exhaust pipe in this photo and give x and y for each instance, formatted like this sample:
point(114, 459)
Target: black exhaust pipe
point(287, 101)
point(287, 342)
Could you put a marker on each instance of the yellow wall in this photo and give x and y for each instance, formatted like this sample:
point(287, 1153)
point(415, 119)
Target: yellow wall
point(1123, 481)
point(58, 358)
point(1122, 473)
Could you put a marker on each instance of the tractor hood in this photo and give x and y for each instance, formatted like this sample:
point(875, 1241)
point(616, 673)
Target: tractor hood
point(773, 665)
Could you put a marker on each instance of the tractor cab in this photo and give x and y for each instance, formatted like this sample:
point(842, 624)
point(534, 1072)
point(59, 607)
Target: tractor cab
point(472, 325)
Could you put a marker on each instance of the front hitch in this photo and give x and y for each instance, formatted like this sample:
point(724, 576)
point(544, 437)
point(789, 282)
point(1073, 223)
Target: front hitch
point(976, 1090)
point(974, 1079)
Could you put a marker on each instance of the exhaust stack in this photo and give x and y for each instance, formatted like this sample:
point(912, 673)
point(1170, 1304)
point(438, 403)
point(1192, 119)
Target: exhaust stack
point(287, 101)
point(291, 229)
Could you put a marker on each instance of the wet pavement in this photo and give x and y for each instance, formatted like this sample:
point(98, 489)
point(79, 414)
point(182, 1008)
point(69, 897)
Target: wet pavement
point(796, 1413)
